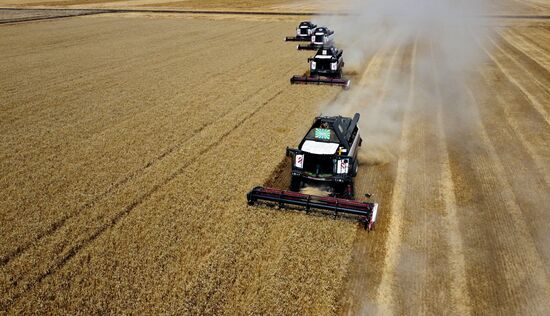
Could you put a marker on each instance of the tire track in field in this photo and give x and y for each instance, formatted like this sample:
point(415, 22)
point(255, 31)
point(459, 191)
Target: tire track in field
point(422, 278)
point(54, 226)
point(360, 282)
point(524, 175)
point(524, 63)
point(460, 301)
point(92, 71)
point(535, 143)
point(526, 123)
point(499, 276)
point(44, 18)
point(385, 299)
point(535, 52)
point(64, 258)
point(168, 60)
point(536, 35)
point(540, 108)
point(132, 175)
point(200, 282)
point(181, 145)
point(105, 126)
point(57, 224)
point(208, 77)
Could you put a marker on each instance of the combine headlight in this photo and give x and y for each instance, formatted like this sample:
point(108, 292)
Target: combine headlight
point(313, 65)
point(334, 66)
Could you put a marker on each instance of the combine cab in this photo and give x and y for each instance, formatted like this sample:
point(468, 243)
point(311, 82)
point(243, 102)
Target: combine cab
point(320, 37)
point(326, 157)
point(324, 68)
point(303, 32)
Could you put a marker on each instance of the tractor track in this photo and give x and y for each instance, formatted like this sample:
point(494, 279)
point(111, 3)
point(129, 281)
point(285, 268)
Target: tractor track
point(363, 279)
point(511, 36)
point(56, 225)
point(59, 223)
point(462, 258)
point(70, 252)
point(535, 35)
point(98, 69)
point(151, 164)
point(224, 73)
point(535, 145)
point(510, 133)
point(385, 294)
point(499, 241)
point(44, 18)
point(459, 295)
point(120, 215)
point(536, 96)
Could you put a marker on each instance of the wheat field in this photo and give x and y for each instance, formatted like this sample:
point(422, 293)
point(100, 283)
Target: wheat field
point(128, 143)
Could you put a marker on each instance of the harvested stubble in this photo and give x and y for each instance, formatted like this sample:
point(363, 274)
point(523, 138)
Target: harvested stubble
point(465, 202)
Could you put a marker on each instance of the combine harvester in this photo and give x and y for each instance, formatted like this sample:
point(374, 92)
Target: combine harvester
point(325, 68)
point(303, 32)
point(321, 36)
point(326, 156)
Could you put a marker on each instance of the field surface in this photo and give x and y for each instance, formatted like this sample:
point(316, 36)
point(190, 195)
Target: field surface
point(128, 143)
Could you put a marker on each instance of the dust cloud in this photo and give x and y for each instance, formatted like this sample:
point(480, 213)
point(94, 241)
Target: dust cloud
point(392, 45)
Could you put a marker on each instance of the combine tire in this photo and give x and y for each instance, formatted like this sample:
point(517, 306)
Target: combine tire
point(295, 184)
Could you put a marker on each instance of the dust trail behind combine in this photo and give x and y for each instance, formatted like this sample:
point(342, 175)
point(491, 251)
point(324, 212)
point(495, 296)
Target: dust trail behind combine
point(438, 164)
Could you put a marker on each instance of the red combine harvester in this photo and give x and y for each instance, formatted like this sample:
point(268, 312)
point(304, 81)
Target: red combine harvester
point(327, 156)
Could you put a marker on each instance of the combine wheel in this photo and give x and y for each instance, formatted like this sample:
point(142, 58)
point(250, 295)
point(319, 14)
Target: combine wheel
point(349, 191)
point(295, 184)
point(344, 191)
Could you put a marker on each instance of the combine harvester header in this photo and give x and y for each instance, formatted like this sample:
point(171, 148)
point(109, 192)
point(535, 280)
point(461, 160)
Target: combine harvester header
point(344, 83)
point(368, 211)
